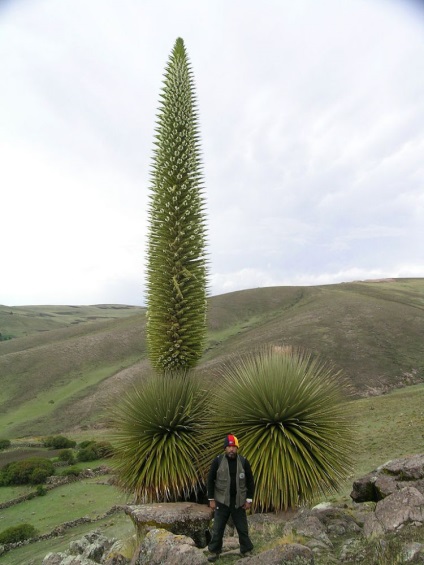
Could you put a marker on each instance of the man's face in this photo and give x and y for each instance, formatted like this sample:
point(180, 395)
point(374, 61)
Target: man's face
point(231, 451)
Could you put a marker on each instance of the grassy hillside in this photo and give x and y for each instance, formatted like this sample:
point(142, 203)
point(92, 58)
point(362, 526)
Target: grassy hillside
point(21, 321)
point(373, 331)
point(66, 363)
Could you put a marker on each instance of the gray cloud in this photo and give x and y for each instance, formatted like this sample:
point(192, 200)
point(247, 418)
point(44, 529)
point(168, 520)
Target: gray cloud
point(311, 116)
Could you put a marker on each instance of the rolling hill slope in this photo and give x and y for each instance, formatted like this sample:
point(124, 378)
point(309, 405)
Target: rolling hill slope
point(70, 362)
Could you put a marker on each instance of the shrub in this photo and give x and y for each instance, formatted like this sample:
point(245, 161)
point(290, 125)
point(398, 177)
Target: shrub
point(88, 454)
point(40, 474)
point(18, 533)
point(104, 449)
point(92, 450)
point(66, 455)
point(40, 490)
point(5, 337)
point(58, 442)
point(4, 443)
point(292, 421)
point(29, 471)
point(85, 443)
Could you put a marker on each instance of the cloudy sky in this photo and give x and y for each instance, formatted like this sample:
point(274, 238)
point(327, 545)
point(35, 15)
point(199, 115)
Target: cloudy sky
point(312, 123)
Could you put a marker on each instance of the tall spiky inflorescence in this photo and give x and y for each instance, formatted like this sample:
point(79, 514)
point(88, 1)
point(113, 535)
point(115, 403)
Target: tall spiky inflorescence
point(177, 265)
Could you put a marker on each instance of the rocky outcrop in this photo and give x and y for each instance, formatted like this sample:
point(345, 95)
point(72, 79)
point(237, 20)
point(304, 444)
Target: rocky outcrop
point(405, 506)
point(92, 549)
point(324, 534)
point(181, 518)
point(390, 477)
point(389, 530)
point(162, 546)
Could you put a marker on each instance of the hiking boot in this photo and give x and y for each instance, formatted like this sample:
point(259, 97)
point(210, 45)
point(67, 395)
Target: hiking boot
point(213, 557)
point(245, 554)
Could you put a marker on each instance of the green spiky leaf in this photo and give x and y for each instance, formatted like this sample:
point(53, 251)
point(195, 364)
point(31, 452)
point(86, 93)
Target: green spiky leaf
point(158, 431)
point(289, 414)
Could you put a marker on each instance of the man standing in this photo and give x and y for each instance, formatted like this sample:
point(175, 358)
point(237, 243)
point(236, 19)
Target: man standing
point(230, 493)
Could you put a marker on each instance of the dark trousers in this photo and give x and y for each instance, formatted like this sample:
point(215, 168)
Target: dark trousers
point(222, 514)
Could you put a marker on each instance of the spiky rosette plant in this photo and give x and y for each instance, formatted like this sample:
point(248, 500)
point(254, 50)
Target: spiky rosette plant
point(289, 414)
point(176, 269)
point(158, 430)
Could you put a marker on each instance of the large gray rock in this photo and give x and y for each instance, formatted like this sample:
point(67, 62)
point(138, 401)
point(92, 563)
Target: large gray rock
point(160, 546)
point(413, 553)
point(406, 468)
point(363, 489)
point(400, 508)
point(336, 520)
point(113, 556)
point(181, 518)
point(77, 547)
point(385, 485)
point(77, 560)
point(54, 558)
point(116, 560)
point(95, 551)
point(390, 477)
point(309, 527)
point(89, 550)
point(91, 547)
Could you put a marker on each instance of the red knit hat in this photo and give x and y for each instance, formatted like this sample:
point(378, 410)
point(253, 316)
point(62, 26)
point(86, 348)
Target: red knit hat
point(230, 440)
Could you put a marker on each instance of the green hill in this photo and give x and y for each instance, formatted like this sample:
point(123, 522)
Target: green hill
point(64, 364)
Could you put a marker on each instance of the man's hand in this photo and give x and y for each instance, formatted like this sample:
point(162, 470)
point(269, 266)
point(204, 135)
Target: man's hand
point(212, 504)
point(247, 505)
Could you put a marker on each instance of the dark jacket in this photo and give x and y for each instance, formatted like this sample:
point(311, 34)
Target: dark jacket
point(230, 479)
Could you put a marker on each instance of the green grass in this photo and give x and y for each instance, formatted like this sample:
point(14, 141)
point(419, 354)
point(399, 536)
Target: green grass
point(19, 321)
point(117, 526)
point(387, 427)
point(86, 498)
point(216, 338)
point(80, 465)
point(44, 405)
point(103, 434)
point(9, 493)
